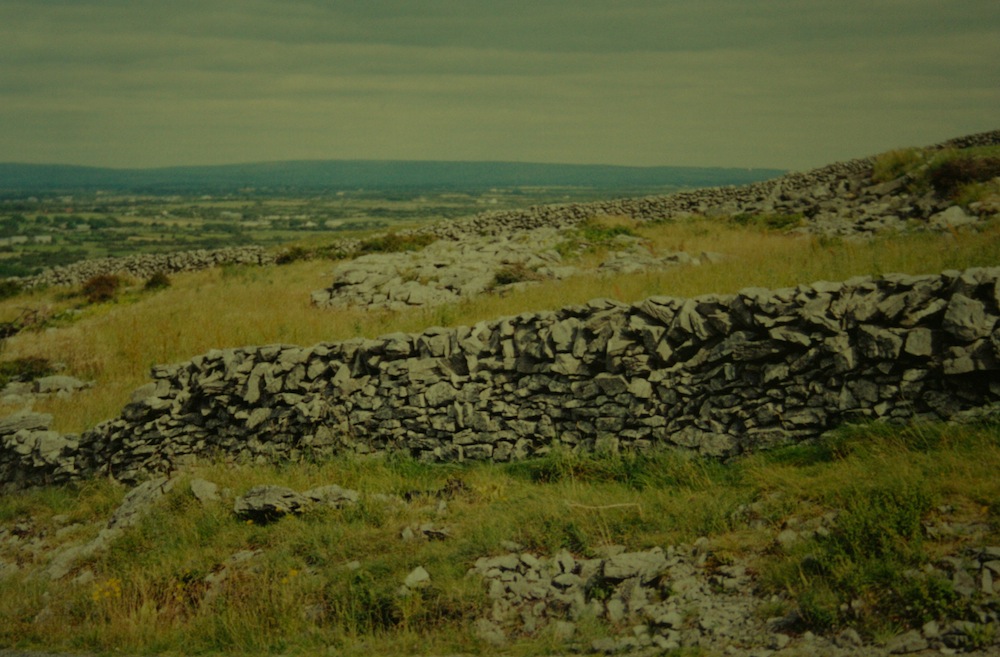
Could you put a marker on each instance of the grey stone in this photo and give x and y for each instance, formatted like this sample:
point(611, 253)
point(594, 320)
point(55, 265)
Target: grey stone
point(332, 495)
point(967, 319)
point(953, 217)
point(489, 632)
point(266, 503)
point(417, 578)
point(138, 501)
point(205, 491)
point(907, 642)
point(644, 565)
point(59, 384)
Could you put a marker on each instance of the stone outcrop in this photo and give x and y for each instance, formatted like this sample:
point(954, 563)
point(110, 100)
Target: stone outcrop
point(447, 271)
point(143, 266)
point(680, 598)
point(31, 454)
point(267, 503)
point(840, 199)
point(718, 374)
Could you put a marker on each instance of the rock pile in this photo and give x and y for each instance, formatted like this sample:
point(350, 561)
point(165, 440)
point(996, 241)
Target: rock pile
point(447, 271)
point(840, 199)
point(30, 453)
point(56, 385)
point(682, 597)
point(658, 600)
point(718, 374)
point(143, 266)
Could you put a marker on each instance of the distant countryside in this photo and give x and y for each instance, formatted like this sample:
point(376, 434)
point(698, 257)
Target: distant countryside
point(94, 213)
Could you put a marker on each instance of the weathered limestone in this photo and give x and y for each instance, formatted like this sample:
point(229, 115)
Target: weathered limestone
point(836, 200)
point(719, 374)
point(31, 454)
point(449, 270)
point(144, 265)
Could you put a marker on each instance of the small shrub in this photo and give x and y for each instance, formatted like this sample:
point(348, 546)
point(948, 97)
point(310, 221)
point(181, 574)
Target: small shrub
point(892, 165)
point(293, 254)
point(157, 281)
point(395, 243)
point(948, 177)
point(769, 221)
point(25, 369)
point(516, 273)
point(101, 288)
point(602, 230)
point(867, 555)
point(10, 288)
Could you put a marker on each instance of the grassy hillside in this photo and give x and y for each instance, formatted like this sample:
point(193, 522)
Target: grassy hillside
point(860, 501)
point(115, 343)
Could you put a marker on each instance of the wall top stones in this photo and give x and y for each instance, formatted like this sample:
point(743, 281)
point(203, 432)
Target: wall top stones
point(718, 374)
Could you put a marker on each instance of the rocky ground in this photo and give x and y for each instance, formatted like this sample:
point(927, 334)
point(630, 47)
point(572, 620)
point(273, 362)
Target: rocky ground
point(839, 200)
point(680, 596)
point(663, 599)
point(447, 271)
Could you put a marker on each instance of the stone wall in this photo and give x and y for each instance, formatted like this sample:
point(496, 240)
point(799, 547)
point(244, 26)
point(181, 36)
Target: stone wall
point(144, 265)
point(720, 375)
point(839, 199)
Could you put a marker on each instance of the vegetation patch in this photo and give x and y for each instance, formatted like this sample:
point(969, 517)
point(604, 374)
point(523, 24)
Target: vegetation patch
point(515, 273)
point(396, 242)
point(770, 221)
point(158, 281)
point(9, 288)
point(597, 234)
point(101, 288)
point(868, 565)
point(192, 577)
point(962, 175)
point(24, 369)
point(894, 164)
point(950, 176)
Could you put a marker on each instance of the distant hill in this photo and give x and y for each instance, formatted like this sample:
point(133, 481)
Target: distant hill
point(364, 174)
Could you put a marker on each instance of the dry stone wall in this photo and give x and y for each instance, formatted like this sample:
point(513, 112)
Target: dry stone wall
point(836, 200)
point(142, 266)
point(720, 375)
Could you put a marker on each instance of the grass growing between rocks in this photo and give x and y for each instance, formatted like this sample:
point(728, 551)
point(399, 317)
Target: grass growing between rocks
point(115, 343)
point(868, 508)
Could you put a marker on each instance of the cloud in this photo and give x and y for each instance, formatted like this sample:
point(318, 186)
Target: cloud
point(784, 83)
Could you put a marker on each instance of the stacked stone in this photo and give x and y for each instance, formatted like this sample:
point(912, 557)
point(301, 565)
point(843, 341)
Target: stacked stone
point(32, 455)
point(143, 266)
point(719, 375)
point(838, 200)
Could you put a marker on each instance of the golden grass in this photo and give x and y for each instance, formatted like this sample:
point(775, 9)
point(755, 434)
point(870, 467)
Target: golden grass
point(116, 344)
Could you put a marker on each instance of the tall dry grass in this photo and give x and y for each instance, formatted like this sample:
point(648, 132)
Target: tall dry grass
point(116, 344)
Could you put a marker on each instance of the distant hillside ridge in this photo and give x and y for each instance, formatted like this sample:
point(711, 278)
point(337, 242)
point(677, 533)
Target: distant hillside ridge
point(364, 174)
point(839, 199)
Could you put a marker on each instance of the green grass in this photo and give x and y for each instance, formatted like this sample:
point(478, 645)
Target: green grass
point(869, 488)
point(301, 594)
point(962, 175)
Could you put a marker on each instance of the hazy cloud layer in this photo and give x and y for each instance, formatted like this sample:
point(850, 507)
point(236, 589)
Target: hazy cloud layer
point(790, 83)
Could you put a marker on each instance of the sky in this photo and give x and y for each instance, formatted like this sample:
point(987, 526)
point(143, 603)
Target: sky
point(789, 84)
